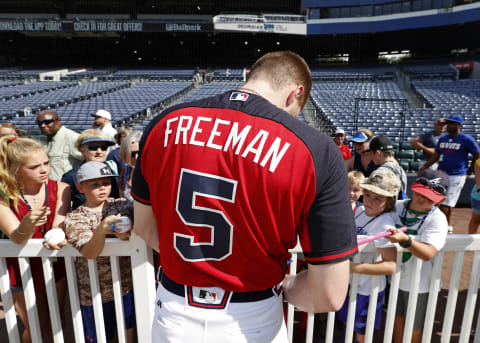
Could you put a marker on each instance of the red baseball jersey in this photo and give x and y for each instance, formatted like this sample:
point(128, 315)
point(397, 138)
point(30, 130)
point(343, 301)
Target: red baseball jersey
point(233, 181)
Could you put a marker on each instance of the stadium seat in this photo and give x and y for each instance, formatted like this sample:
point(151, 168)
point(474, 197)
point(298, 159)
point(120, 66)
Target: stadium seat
point(414, 166)
point(406, 155)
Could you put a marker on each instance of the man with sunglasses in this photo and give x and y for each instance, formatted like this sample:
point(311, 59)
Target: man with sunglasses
point(339, 141)
point(102, 121)
point(60, 144)
point(451, 153)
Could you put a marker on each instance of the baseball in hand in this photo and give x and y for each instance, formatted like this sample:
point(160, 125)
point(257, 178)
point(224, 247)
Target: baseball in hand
point(54, 236)
point(123, 225)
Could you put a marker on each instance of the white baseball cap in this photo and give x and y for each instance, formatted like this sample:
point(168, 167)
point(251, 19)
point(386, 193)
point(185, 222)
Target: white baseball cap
point(103, 114)
point(338, 131)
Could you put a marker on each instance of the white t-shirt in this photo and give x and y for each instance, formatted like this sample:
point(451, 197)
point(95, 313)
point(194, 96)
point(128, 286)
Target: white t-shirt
point(431, 229)
point(370, 226)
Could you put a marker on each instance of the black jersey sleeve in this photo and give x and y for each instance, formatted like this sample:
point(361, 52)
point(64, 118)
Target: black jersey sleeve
point(330, 234)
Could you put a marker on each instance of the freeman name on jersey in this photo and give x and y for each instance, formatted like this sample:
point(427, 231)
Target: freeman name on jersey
point(223, 135)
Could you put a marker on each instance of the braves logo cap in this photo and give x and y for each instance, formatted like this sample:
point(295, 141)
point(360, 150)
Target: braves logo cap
point(432, 184)
point(383, 182)
point(94, 170)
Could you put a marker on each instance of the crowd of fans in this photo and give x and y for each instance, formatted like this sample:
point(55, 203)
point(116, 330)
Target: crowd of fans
point(69, 183)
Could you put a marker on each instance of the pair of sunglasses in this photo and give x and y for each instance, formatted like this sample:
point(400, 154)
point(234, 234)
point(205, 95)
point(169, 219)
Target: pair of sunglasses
point(96, 147)
point(433, 184)
point(45, 122)
point(134, 154)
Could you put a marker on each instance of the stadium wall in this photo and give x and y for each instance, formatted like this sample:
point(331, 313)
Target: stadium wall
point(395, 22)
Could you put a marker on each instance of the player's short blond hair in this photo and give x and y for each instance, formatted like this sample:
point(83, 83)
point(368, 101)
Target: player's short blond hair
point(280, 69)
point(356, 177)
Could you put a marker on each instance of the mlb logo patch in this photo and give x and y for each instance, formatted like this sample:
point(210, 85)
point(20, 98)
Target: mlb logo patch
point(239, 96)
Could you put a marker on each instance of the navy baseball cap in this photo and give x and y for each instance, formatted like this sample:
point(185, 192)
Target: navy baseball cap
point(359, 137)
point(94, 170)
point(107, 141)
point(456, 118)
point(432, 184)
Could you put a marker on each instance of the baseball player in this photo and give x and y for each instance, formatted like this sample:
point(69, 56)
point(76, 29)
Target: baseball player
point(223, 187)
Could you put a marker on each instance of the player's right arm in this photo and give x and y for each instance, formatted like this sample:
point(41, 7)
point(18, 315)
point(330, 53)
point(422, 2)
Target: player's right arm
point(145, 224)
point(321, 288)
point(327, 236)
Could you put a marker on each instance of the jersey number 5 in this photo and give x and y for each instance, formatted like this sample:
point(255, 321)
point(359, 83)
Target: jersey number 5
point(191, 185)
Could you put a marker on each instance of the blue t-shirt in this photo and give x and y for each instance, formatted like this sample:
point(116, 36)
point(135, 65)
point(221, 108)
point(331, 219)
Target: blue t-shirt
point(454, 152)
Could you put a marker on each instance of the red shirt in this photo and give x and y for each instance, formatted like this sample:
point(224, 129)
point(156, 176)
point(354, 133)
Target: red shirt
point(345, 150)
point(232, 181)
point(36, 262)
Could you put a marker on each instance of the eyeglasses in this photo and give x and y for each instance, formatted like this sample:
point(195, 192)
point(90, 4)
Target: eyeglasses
point(96, 147)
point(45, 122)
point(133, 154)
point(433, 184)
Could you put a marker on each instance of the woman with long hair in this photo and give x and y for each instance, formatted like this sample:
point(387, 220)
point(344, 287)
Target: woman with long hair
point(30, 205)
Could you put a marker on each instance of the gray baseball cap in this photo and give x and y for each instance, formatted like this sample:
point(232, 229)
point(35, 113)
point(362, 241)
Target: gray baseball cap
point(94, 170)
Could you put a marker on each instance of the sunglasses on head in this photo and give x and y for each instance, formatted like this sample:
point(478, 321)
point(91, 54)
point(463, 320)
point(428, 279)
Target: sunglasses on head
point(96, 147)
point(134, 154)
point(45, 122)
point(433, 184)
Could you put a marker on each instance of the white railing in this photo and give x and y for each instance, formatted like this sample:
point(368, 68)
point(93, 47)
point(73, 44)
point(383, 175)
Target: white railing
point(144, 292)
point(458, 244)
point(143, 288)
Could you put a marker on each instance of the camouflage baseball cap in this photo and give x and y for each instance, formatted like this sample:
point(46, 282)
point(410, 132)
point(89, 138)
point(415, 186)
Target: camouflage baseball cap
point(383, 182)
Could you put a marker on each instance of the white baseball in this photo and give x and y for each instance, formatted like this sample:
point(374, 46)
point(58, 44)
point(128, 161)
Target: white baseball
point(54, 236)
point(124, 225)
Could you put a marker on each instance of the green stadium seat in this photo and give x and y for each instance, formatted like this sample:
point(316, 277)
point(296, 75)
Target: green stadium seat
point(406, 155)
point(406, 146)
point(414, 166)
point(418, 155)
point(405, 164)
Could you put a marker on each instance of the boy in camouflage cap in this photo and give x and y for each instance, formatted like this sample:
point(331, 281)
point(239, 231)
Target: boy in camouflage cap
point(379, 196)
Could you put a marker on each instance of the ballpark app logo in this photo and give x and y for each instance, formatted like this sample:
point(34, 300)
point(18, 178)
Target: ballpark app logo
point(239, 96)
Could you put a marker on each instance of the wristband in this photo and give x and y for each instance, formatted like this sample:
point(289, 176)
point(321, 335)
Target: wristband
point(113, 227)
point(406, 244)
